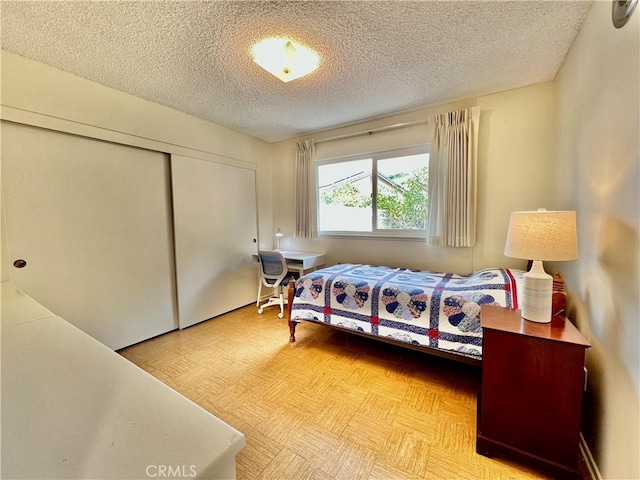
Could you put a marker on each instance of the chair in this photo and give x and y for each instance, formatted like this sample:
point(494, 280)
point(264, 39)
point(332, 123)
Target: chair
point(274, 274)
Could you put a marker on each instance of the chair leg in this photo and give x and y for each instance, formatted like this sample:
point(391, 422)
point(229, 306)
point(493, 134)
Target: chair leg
point(277, 299)
point(259, 292)
point(281, 314)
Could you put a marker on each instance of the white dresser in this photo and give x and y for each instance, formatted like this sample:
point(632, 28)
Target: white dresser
point(72, 408)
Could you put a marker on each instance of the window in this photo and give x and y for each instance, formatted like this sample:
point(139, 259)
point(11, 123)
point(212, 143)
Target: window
point(379, 194)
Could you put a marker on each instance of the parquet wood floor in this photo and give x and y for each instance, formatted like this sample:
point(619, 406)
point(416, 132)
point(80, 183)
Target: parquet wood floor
point(331, 406)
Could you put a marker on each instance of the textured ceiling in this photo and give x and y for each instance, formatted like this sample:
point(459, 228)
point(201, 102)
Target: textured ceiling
point(377, 58)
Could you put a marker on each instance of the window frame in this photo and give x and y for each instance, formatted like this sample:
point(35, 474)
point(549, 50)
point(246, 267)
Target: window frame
point(418, 149)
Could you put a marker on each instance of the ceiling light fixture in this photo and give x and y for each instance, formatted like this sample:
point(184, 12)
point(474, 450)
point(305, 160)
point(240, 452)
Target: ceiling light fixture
point(285, 58)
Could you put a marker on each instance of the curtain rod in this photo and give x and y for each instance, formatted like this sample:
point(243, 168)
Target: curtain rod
point(371, 131)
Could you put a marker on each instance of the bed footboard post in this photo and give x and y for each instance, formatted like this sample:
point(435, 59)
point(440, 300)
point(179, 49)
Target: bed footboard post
point(290, 294)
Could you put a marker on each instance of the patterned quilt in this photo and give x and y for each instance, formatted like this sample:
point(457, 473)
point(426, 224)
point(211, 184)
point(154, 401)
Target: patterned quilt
point(433, 310)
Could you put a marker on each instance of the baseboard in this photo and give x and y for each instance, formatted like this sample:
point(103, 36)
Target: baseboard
point(590, 463)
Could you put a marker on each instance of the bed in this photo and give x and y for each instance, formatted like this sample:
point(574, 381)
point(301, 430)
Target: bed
point(433, 312)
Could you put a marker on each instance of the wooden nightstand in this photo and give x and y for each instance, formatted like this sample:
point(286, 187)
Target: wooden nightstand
point(530, 405)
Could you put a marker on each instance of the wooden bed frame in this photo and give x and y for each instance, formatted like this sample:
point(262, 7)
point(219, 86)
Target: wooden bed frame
point(431, 351)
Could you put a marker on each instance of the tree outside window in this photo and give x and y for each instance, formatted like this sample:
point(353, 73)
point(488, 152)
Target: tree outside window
point(384, 193)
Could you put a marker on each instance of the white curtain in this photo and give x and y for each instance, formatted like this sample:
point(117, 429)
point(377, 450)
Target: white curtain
point(453, 179)
point(305, 194)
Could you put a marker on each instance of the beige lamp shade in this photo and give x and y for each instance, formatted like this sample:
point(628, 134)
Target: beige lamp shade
point(542, 235)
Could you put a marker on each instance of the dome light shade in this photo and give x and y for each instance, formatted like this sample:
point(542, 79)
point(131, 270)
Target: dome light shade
point(285, 58)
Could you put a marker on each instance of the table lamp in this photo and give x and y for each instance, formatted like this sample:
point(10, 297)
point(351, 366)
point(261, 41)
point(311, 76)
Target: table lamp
point(279, 235)
point(541, 236)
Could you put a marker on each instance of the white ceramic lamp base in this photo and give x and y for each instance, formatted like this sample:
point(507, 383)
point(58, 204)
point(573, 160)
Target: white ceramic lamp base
point(538, 289)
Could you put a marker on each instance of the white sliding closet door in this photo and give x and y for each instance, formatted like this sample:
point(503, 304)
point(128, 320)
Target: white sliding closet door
point(215, 237)
point(92, 220)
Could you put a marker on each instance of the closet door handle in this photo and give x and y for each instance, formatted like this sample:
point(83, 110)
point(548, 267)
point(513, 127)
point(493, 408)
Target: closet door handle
point(20, 263)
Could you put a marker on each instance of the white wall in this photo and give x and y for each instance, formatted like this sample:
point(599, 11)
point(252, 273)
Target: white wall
point(515, 148)
point(34, 87)
point(39, 95)
point(597, 168)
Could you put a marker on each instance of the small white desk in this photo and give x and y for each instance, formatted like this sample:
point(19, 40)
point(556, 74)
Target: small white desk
point(300, 261)
point(303, 261)
point(72, 408)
